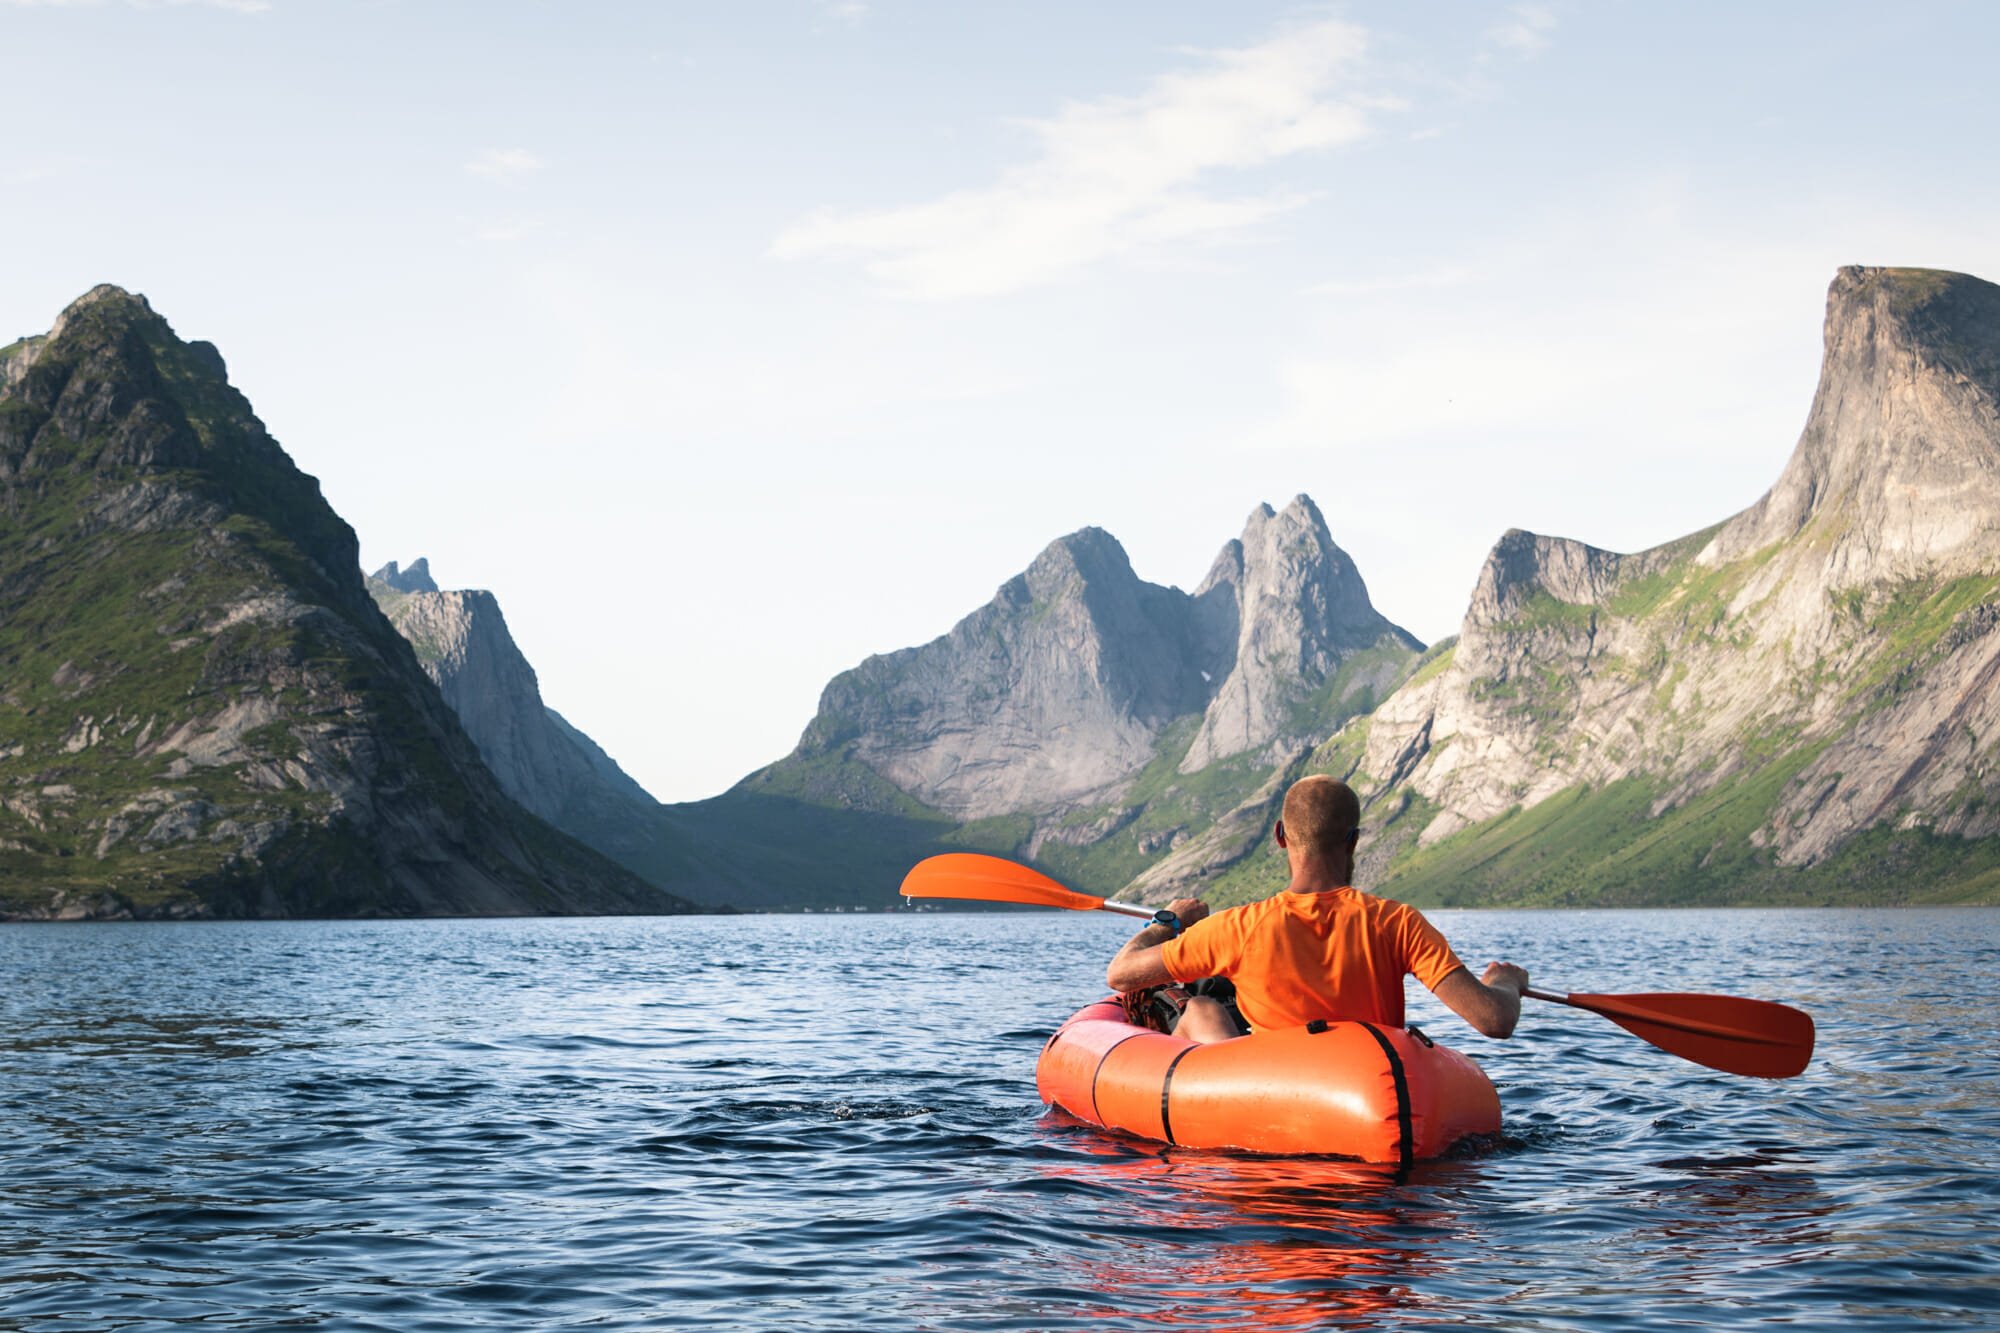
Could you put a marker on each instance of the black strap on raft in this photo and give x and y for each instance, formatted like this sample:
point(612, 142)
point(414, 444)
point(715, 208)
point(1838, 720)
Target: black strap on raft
point(1404, 1144)
point(1167, 1086)
point(1096, 1114)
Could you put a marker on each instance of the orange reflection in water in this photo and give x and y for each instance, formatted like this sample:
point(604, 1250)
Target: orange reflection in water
point(1258, 1242)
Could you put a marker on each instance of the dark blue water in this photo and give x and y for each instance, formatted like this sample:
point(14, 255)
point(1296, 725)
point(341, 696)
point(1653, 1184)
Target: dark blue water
point(830, 1123)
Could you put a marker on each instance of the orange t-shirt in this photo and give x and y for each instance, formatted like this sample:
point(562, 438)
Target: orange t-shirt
point(1296, 957)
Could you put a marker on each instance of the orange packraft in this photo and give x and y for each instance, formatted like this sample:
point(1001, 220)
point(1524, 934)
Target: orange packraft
point(1352, 1089)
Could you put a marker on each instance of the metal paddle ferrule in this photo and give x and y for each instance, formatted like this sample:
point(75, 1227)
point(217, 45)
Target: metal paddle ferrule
point(1137, 910)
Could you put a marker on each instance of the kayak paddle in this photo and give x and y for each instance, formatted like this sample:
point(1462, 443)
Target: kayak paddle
point(1726, 1032)
point(990, 879)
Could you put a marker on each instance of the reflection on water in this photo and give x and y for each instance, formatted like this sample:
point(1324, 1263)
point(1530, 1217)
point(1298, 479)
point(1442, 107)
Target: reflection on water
point(1270, 1243)
point(147, 1035)
point(830, 1123)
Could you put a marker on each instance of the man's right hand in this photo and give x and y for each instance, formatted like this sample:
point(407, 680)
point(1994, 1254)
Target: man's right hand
point(1507, 973)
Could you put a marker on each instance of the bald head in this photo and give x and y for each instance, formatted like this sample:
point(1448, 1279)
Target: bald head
point(1320, 814)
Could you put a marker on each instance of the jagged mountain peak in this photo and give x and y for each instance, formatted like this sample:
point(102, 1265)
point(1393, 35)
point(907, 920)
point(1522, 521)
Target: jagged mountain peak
point(1895, 471)
point(417, 578)
point(1525, 565)
point(1089, 555)
point(1294, 547)
point(1056, 687)
point(114, 394)
point(1288, 607)
point(102, 293)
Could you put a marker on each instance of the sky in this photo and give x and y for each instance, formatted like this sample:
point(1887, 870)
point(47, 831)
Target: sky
point(730, 343)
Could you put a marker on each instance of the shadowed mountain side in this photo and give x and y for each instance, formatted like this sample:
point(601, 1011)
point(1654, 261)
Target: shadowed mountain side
point(757, 847)
point(202, 712)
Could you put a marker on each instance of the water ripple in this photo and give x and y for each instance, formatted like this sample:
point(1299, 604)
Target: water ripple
point(829, 1123)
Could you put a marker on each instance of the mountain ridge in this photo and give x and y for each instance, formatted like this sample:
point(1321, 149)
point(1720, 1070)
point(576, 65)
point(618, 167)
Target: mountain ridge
point(203, 712)
point(1791, 705)
point(1164, 706)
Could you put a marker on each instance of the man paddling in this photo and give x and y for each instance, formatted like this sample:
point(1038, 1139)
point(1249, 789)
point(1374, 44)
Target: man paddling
point(1319, 950)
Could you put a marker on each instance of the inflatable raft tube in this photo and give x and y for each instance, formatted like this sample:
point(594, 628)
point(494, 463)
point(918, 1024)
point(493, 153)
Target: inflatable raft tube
point(1361, 1090)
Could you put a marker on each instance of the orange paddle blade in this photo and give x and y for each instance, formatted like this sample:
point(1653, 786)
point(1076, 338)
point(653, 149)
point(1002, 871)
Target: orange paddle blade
point(1726, 1032)
point(990, 879)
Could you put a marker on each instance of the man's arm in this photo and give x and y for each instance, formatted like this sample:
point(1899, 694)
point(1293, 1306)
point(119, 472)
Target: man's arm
point(1138, 964)
point(1492, 1004)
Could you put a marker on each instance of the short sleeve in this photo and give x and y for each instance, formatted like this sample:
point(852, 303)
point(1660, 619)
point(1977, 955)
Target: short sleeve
point(1202, 950)
point(1425, 953)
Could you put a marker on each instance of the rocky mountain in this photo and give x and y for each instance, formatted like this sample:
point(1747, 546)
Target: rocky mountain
point(760, 850)
point(1794, 705)
point(1094, 721)
point(417, 578)
point(1797, 704)
point(462, 641)
point(1084, 716)
point(202, 712)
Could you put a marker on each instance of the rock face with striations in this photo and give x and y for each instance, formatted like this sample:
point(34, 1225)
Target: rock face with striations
point(462, 640)
point(1798, 702)
point(1296, 609)
point(202, 711)
point(1058, 686)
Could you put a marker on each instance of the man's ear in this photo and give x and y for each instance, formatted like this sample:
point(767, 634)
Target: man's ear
point(1278, 832)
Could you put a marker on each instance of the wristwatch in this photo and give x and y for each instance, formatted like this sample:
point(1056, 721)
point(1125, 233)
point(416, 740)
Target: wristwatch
point(1165, 918)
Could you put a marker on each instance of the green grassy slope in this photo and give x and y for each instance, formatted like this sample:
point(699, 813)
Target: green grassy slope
point(1598, 847)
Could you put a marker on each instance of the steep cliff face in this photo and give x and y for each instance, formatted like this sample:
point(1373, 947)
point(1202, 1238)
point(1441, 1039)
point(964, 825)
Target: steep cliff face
point(1801, 700)
point(463, 643)
point(202, 712)
point(1299, 610)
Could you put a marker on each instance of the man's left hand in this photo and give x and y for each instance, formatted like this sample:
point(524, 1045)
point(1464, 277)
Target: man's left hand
point(1189, 910)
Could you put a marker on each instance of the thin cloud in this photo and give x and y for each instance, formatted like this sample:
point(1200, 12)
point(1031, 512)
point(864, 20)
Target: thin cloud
point(509, 164)
point(1115, 175)
point(1526, 32)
